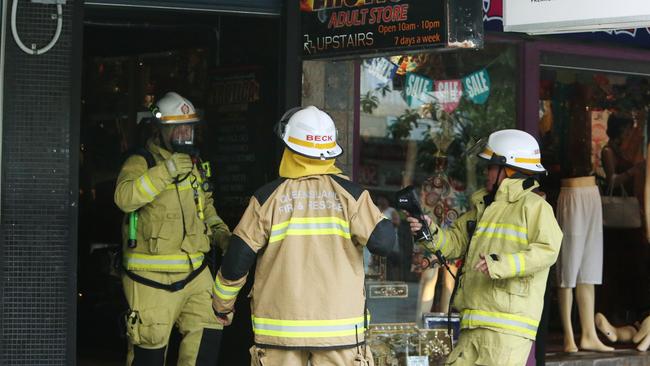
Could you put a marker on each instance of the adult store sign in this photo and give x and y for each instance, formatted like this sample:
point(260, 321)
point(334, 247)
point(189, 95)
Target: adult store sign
point(333, 28)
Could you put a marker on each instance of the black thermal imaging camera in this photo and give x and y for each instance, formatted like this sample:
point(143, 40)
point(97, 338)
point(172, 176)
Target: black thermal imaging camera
point(407, 200)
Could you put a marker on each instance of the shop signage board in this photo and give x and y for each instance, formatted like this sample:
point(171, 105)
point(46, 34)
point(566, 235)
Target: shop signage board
point(638, 37)
point(335, 28)
point(566, 16)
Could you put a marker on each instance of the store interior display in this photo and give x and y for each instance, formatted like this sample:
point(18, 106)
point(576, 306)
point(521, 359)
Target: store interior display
point(404, 344)
point(576, 108)
point(637, 333)
point(580, 261)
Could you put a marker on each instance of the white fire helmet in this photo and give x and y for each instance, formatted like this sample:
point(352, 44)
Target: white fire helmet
point(177, 117)
point(513, 148)
point(309, 132)
point(173, 109)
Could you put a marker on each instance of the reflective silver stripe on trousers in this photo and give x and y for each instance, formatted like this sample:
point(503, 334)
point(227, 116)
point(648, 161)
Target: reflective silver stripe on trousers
point(511, 322)
point(309, 328)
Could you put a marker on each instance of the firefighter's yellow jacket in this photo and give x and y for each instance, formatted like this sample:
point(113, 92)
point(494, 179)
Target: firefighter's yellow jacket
point(307, 235)
point(173, 235)
point(520, 239)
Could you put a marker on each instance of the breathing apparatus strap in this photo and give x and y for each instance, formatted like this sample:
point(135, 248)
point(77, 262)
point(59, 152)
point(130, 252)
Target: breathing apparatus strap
point(471, 227)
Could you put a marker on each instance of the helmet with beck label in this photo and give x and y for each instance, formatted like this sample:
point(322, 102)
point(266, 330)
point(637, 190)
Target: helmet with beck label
point(515, 149)
point(309, 132)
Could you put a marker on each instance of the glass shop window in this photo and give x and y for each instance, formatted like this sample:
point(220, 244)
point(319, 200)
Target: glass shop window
point(419, 115)
point(582, 112)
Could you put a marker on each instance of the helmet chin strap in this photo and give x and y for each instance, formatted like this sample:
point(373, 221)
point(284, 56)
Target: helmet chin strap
point(489, 198)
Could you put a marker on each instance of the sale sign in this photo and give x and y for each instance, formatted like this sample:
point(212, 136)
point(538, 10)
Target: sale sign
point(448, 94)
point(477, 86)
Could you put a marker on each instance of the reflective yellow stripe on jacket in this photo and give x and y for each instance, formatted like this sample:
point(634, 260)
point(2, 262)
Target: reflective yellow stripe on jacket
point(298, 226)
point(518, 234)
point(162, 263)
point(515, 323)
point(517, 264)
point(225, 292)
point(308, 328)
point(146, 187)
point(440, 241)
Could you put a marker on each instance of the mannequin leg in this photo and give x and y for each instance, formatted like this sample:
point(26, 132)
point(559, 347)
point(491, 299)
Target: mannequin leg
point(644, 331)
point(447, 288)
point(585, 298)
point(645, 343)
point(643, 336)
point(622, 334)
point(427, 293)
point(565, 300)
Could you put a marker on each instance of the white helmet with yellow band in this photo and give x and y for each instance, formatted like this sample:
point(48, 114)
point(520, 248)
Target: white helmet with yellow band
point(174, 109)
point(309, 132)
point(176, 117)
point(515, 149)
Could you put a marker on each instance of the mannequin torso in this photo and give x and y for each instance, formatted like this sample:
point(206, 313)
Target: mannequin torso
point(579, 181)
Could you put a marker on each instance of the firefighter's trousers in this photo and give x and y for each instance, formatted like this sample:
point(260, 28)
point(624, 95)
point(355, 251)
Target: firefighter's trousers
point(153, 312)
point(355, 356)
point(488, 347)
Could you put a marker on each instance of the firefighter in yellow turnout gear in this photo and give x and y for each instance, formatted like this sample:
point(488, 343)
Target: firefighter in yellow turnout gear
point(307, 231)
point(509, 239)
point(165, 278)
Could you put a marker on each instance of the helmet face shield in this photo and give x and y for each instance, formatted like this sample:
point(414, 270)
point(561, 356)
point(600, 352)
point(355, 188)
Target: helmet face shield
point(179, 138)
point(477, 148)
point(280, 128)
point(481, 150)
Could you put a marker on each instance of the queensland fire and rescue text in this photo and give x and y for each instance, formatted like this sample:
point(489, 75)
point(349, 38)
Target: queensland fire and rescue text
point(311, 200)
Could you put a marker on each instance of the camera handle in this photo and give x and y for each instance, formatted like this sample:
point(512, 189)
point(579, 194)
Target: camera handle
point(425, 234)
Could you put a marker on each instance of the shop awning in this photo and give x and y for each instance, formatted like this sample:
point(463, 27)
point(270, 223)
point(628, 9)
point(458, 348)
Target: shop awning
point(253, 7)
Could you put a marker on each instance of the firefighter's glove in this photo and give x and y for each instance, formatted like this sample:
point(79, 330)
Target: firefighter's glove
point(220, 239)
point(178, 165)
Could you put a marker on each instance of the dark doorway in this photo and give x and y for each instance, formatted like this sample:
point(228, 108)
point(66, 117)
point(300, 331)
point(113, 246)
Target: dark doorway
point(228, 67)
